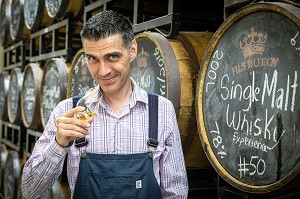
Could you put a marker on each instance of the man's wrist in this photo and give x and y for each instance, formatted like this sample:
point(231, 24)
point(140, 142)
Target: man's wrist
point(70, 144)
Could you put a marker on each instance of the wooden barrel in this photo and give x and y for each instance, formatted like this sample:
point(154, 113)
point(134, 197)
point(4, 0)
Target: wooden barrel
point(30, 103)
point(5, 21)
point(11, 175)
point(35, 15)
point(3, 158)
point(80, 79)
point(17, 21)
point(58, 9)
point(248, 97)
point(54, 86)
point(167, 66)
point(4, 85)
point(14, 96)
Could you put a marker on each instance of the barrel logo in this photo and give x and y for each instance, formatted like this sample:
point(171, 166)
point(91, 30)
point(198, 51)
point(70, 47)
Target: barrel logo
point(254, 43)
point(253, 47)
point(142, 59)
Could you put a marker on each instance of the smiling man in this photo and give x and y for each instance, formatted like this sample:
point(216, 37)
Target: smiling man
point(131, 147)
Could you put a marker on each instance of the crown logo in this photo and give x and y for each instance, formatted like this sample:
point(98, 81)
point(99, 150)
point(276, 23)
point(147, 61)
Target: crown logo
point(142, 59)
point(254, 43)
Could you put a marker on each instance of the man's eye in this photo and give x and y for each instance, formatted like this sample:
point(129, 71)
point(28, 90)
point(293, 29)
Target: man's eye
point(91, 58)
point(113, 57)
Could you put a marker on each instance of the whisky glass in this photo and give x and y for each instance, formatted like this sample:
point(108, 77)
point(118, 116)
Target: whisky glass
point(91, 107)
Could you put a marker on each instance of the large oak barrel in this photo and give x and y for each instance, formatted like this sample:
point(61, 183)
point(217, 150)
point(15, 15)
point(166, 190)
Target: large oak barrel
point(30, 103)
point(248, 98)
point(4, 85)
point(17, 21)
point(35, 15)
point(58, 9)
point(14, 96)
point(54, 87)
point(80, 79)
point(167, 66)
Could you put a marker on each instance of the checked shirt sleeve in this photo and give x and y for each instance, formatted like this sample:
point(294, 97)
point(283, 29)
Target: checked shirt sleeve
point(46, 161)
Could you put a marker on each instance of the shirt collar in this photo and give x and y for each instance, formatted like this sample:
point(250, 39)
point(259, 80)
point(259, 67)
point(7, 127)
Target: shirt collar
point(138, 95)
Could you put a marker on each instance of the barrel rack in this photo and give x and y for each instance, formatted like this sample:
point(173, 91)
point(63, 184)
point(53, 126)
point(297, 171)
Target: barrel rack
point(13, 136)
point(16, 55)
point(57, 40)
point(170, 18)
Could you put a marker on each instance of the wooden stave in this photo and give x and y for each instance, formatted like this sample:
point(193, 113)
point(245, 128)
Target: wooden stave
point(15, 118)
point(37, 79)
point(264, 190)
point(4, 77)
point(195, 44)
point(191, 141)
point(63, 70)
point(179, 57)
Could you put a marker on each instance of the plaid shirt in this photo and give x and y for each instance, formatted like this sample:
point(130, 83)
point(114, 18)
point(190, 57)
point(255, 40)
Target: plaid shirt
point(111, 134)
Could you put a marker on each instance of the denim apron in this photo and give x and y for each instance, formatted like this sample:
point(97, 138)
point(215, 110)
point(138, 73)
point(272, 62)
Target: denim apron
point(121, 176)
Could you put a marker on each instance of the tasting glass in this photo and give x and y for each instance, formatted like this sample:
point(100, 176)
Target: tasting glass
point(87, 101)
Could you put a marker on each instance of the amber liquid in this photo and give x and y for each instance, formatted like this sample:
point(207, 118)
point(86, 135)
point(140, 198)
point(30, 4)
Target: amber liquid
point(83, 117)
point(91, 114)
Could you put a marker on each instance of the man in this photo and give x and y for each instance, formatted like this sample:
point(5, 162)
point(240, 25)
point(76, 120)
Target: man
point(116, 159)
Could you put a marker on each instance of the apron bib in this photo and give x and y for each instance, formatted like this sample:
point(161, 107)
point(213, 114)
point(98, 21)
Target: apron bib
point(114, 176)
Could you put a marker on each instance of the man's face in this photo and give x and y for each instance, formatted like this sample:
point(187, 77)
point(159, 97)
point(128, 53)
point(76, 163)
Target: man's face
point(109, 62)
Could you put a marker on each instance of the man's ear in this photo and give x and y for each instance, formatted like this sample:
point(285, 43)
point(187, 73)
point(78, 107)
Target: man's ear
point(133, 50)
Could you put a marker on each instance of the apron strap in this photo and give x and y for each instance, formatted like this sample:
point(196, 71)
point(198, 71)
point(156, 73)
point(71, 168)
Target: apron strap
point(153, 120)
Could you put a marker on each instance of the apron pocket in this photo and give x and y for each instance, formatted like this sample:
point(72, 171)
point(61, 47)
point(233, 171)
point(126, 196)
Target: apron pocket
point(118, 187)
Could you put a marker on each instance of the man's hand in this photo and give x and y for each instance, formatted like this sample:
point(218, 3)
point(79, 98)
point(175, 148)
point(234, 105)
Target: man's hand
point(70, 128)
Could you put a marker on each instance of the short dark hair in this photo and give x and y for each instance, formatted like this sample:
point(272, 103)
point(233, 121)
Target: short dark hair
point(108, 23)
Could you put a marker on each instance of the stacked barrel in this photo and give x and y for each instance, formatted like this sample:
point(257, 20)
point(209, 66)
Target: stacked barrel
point(233, 84)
